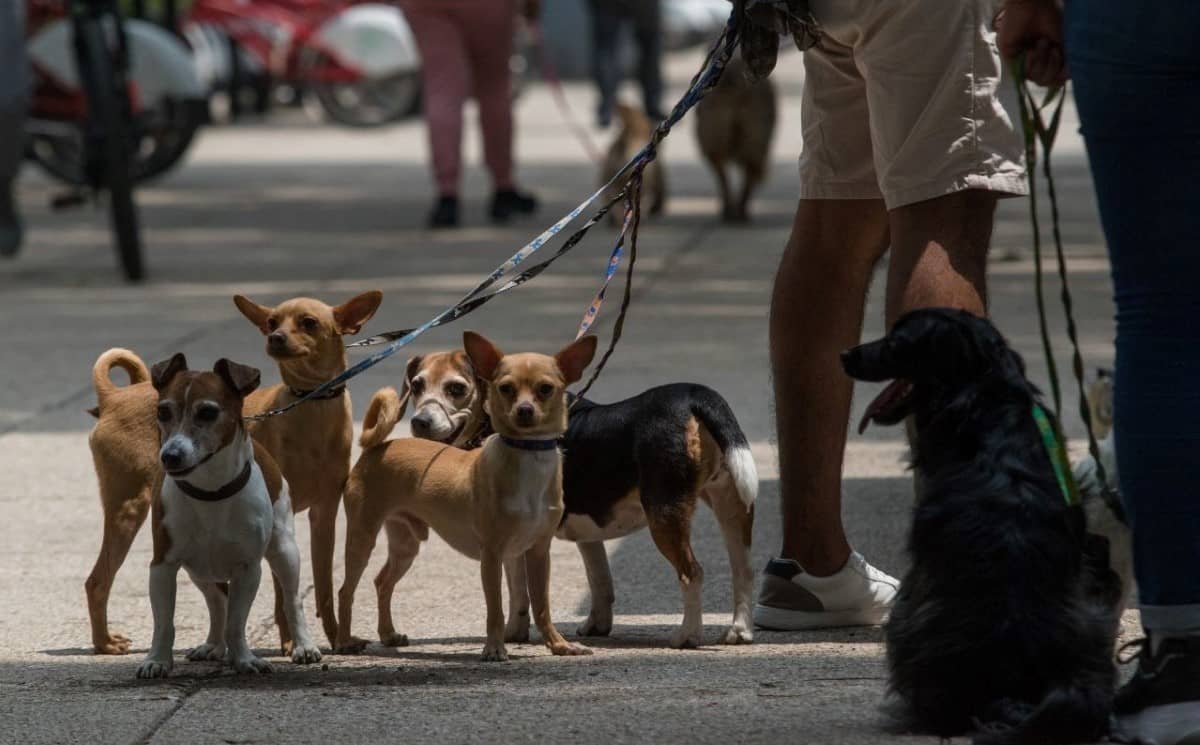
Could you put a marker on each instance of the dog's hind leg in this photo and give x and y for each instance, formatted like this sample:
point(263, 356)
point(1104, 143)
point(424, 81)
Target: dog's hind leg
point(284, 559)
point(737, 526)
point(516, 626)
point(120, 527)
point(216, 597)
point(363, 524)
point(670, 524)
point(404, 542)
point(595, 562)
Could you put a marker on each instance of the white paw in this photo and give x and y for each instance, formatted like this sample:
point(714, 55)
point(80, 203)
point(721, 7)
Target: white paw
point(686, 638)
point(567, 649)
point(249, 665)
point(306, 654)
point(737, 635)
point(151, 668)
point(495, 653)
point(595, 625)
point(206, 651)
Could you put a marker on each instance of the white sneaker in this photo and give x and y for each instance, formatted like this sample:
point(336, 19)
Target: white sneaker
point(790, 599)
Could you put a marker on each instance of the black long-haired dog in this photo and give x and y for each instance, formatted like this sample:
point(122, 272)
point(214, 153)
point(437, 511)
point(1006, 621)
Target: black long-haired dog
point(1005, 622)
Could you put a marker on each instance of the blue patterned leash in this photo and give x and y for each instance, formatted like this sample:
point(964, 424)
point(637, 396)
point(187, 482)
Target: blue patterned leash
point(714, 65)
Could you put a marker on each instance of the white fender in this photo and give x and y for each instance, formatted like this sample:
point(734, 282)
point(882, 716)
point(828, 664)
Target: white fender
point(159, 63)
point(374, 38)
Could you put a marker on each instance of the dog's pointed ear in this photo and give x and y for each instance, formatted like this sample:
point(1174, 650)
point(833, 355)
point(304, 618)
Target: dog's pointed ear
point(410, 371)
point(162, 372)
point(255, 313)
point(484, 355)
point(352, 314)
point(574, 358)
point(242, 379)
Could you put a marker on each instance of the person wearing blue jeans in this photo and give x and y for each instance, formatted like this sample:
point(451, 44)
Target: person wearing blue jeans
point(1136, 73)
point(608, 17)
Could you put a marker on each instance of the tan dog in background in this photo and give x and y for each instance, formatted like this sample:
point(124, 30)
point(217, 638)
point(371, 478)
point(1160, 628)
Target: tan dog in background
point(500, 504)
point(734, 126)
point(310, 443)
point(636, 130)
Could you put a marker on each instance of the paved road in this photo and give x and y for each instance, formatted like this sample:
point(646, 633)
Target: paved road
point(282, 208)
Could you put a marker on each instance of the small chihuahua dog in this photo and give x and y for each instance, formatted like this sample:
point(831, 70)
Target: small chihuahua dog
point(499, 504)
point(222, 508)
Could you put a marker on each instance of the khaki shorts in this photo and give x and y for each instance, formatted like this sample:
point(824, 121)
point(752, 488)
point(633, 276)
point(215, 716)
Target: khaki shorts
point(903, 102)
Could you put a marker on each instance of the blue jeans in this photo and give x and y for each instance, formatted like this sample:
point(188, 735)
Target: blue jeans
point(1136, 72)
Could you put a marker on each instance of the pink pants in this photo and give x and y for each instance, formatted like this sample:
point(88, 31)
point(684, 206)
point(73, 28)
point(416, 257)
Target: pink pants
point(465, 48)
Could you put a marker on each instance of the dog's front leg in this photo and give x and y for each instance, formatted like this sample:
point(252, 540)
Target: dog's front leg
point(595, 563)
point(490, 570)
point(284, 559)
point(216, 598)
point(242, 589)
point(322, 520)
point(517, 627)
point(537, 564)
point(162, 602)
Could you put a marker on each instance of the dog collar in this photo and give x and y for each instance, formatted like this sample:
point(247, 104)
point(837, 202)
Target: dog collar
point(1057, 451)
point(331, 393)
point(534, 445)
point(225, 492)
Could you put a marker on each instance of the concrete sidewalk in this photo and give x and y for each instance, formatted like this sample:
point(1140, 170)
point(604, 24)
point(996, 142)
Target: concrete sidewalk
point(283, 208)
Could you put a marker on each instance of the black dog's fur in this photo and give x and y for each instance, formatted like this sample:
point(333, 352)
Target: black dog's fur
point(1005, 623)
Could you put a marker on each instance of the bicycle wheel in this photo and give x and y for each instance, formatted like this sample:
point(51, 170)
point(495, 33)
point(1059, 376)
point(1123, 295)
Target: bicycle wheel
point(108, 108)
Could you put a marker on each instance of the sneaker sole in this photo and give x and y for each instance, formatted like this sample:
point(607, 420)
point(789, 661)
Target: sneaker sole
point(781, 619)
point(1172, 724)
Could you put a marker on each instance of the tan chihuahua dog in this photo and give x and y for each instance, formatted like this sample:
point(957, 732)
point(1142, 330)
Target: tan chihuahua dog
point(498, 504)
point(311, 444)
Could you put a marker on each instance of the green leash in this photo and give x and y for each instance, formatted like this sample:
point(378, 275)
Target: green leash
point(1055, 448)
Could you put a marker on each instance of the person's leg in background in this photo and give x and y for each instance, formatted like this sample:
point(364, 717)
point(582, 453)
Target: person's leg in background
point(445, 82)
point(1137, 75)
point(14, 106)
point(488, 28)
point(606, 65)
point(647, 30)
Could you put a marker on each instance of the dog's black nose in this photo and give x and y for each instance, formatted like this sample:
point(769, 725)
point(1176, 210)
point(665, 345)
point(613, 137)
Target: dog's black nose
point(171, 459)
point(420, 423)
point(277, 339)
point(525, 413)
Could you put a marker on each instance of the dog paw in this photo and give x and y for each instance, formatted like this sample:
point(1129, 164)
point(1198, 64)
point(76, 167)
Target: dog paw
point(517, 632)
point(354, 646)
point(114, 644)
point(686, 639)
point(569, 649)
point(305, 654)
point(594, 627)
point(154, 668)
point(394, 639)
point(250, 665)
point(286, 647)
point(737, 635)
point(206, 651)
point(495, 653)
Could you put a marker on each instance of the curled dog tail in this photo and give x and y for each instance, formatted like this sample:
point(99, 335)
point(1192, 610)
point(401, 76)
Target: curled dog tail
point(116, 357)
point(1068, 714)
point(383, 413)
point(715, 413)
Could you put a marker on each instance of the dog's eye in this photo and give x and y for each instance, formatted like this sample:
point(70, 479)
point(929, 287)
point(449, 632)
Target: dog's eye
point(507, 390)
point(272, 323)
point(164, 413)
point(456, 390)
point(545, 390)
point(207, 413)
point(417, 386)
point(310, 324)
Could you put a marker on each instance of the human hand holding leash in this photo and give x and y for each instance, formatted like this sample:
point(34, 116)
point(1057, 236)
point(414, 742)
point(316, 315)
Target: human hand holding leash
point(1033, 28)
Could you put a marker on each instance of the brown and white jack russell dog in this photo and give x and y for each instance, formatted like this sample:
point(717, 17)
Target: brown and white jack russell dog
point(223, 508)
point(499, 504)
point(311, 444)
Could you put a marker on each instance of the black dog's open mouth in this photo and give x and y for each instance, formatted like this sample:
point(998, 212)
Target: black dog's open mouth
point(890, 406)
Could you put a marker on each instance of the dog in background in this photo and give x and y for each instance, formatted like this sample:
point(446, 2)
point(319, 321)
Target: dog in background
point(499, 504)
point(1006, 619)
point(635, 132)
point(311, 444)
point(222, 508)
point(645, 461)
point(734, 126)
